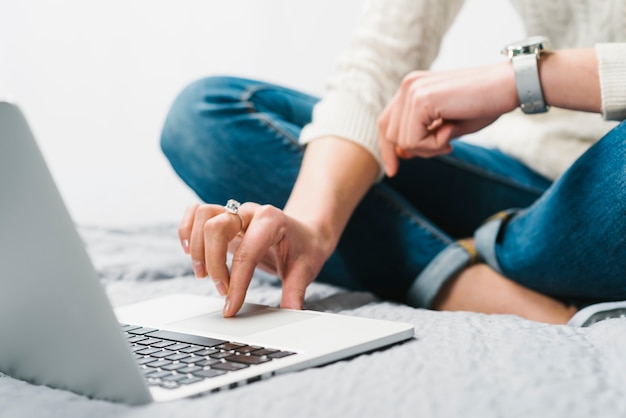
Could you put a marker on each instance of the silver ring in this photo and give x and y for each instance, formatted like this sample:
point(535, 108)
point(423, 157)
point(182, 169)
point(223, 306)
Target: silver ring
point(232, 206)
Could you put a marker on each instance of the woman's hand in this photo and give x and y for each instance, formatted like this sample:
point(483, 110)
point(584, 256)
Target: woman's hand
point(432, 108)
point(257, 236)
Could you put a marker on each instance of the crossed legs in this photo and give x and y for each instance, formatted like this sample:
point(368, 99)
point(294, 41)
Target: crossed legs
point(479, 288)
point(224, 132)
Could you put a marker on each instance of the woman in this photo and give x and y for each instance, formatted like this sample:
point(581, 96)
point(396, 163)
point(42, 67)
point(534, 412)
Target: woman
point(534, 227)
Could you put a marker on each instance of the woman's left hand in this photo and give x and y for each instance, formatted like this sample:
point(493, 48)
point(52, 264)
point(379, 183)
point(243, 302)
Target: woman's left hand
point(432, 108)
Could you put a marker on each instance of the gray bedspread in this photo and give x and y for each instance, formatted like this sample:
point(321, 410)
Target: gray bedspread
point(459, 365)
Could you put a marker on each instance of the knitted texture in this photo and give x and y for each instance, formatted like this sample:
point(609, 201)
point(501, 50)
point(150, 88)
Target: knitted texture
point(394, 38)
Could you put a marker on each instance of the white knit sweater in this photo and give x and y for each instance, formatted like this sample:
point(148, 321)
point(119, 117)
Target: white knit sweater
point(399, 36)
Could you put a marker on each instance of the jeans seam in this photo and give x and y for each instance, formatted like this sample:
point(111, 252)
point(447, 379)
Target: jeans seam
point(488, 174)
point(245, 97)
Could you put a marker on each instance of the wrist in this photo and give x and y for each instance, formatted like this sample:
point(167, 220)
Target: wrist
point(524, 56)
point(334, 176)
point(319, 222)
point(562, 69)
point(507, 87)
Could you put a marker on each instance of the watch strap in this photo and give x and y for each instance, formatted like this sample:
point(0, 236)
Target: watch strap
point(528, 84)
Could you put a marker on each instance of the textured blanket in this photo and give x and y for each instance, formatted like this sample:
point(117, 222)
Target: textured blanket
point(460, 364)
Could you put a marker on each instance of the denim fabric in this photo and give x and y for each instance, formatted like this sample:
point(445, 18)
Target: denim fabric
point(234, 138)
point(571, 243)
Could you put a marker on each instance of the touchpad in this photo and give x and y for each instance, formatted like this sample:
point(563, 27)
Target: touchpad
point(249, 320)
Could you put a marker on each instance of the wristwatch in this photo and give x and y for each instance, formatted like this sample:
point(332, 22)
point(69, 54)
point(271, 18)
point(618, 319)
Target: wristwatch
point(524, 56)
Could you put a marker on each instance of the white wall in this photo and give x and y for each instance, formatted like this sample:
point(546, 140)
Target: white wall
point(95, 79)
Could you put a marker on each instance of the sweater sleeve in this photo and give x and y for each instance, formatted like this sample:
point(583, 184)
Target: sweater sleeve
point(392, 39)
point(612, 73)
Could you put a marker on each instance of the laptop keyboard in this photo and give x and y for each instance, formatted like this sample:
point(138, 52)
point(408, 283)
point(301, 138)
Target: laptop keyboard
point(172, 359)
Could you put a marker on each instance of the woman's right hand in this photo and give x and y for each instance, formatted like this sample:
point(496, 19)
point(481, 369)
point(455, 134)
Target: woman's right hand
point(258, 236)
point(293, 243)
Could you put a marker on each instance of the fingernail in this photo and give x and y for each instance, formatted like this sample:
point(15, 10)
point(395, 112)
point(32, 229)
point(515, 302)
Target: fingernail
point(186, 246)
point(219, 285)
point(226, 307)
point(199, 270)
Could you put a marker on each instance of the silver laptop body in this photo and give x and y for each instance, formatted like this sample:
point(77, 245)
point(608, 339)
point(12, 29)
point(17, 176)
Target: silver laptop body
point(57, 327)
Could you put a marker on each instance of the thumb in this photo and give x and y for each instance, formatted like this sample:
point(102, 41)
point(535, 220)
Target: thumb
point(445, 133)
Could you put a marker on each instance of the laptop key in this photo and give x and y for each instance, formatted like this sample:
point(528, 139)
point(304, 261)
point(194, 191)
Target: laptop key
point(126, 327)
point(191, 360)
point(174, 366)
point(222, 354)
point(209, 373)
point(147, 371)
point(145, 360)
point(177, 356)
point(186, 338)
point(163, 344)
point(189, 369)
point(240, 358)
point(248, 349)
point(176, 359)
point(163, 353)
point(190, 380)
point(147, 351)
point(192, 349)
point(159, 374)
point(229, 366)
point(207, 362)
point(141, 331)
point(264, 352)
point(136, 348)
point(177, 347)
point(158, 363)
point(148, 341)
point(206, 352)
point(135, 338)
point(230, 346)
point(280, 354)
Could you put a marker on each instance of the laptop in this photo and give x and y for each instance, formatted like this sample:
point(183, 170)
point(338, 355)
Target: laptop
point(57, 327)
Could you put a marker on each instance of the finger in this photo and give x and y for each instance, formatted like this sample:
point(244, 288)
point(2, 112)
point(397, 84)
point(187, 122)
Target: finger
point(196, 240)
point(443, 135)
point(389, 157)
point(436, 143)
point(385, 138)
point(218, 233)
point(294, 288)
point(415, 123)
point(185, 226)
point(401, 105)
point(387, 146)
point(403, 154)
point(265, 230)
point(392, 116)
point(436, 124)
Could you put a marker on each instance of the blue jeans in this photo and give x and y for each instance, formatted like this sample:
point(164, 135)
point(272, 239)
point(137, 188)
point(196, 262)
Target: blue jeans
point(236, 138)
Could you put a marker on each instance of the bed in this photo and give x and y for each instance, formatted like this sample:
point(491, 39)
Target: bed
point(459, 365)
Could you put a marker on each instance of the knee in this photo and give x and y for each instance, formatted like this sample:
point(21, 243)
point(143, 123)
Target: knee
point(190, 117)
point(184, 117)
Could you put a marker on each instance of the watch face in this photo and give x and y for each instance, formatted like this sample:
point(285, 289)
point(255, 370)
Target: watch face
point(532, 45)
